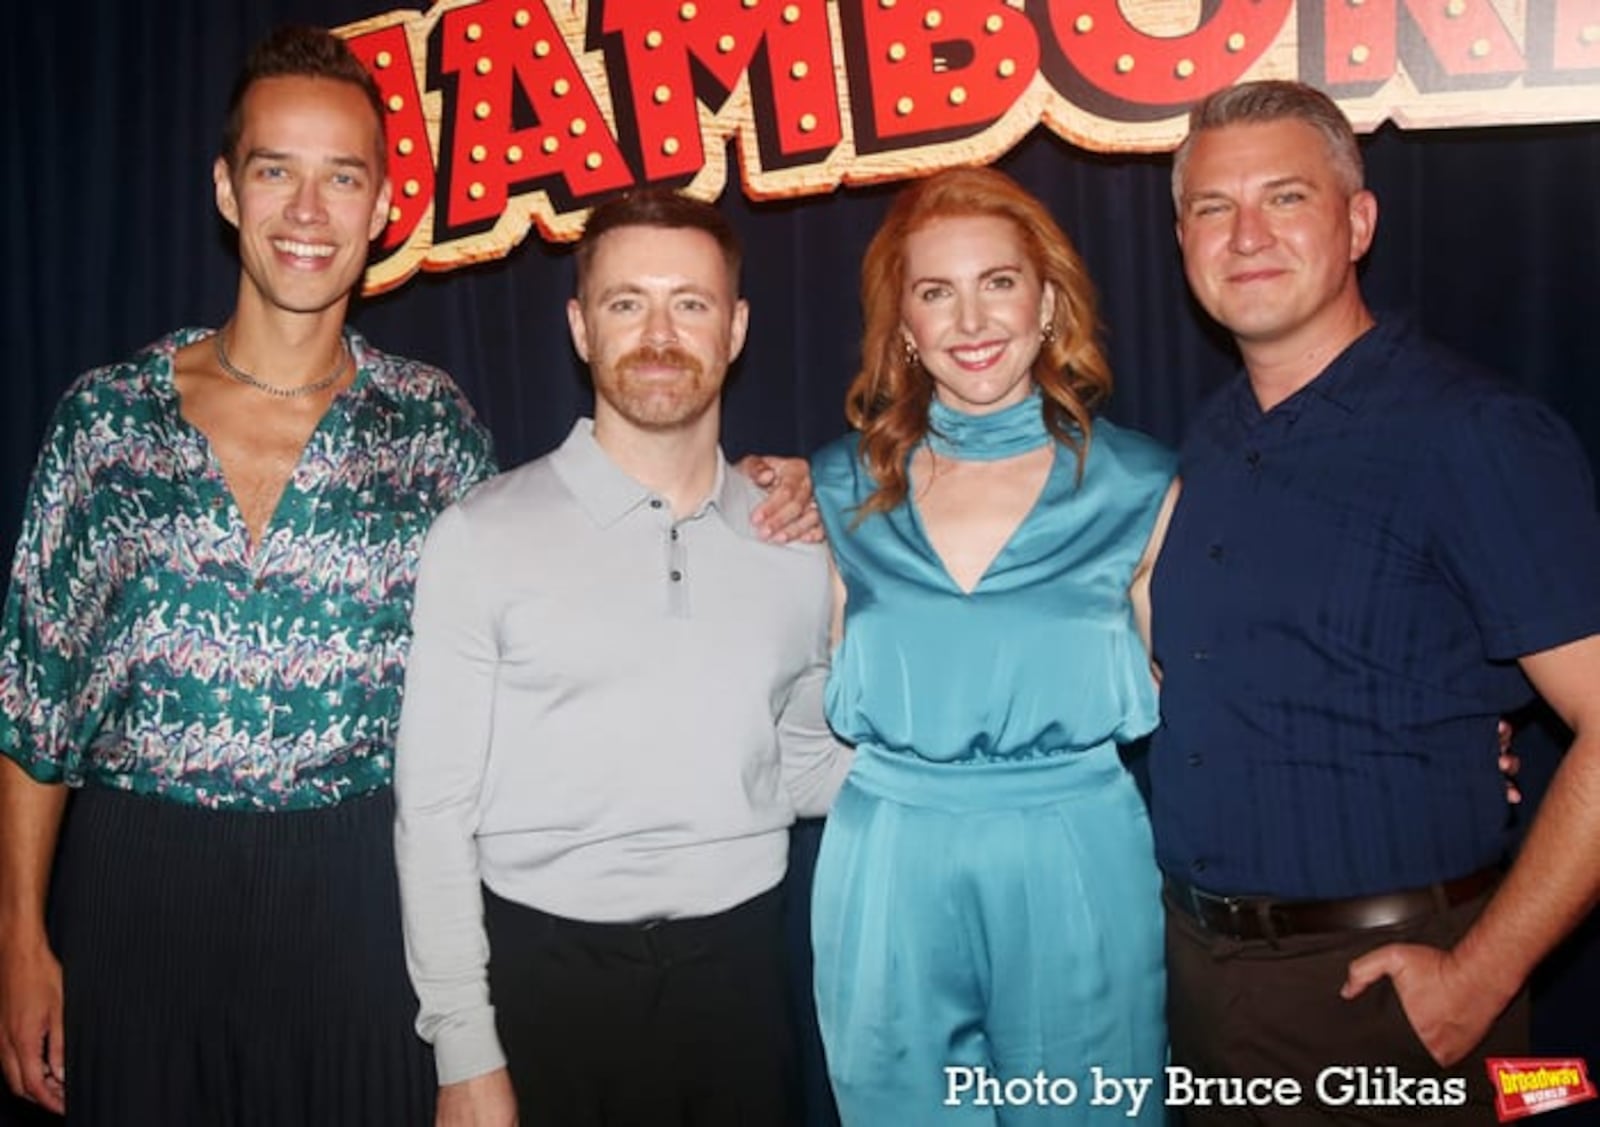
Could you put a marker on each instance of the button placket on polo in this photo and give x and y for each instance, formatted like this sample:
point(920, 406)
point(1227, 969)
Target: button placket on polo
point(676, 572)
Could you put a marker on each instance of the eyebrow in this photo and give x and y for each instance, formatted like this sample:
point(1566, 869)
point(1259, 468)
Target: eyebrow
point(1269, 186)
point(341, 161)
point(618, 289)
point(1004, 268)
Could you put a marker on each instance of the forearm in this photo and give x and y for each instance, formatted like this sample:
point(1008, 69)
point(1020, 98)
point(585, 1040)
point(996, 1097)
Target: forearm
point(1552, 885)
point(30, 822)
point(814, 762)
point(814, 772)
point(440, 762)
point(447, 947)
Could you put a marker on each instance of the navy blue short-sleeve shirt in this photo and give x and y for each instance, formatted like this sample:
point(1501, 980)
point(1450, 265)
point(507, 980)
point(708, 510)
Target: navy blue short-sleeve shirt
point(1345, 588)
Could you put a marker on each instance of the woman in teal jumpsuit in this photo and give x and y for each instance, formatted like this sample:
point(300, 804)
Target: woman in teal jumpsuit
point(986, 916)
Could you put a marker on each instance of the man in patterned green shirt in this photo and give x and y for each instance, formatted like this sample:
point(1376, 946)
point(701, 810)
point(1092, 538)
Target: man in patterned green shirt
point(204, 635)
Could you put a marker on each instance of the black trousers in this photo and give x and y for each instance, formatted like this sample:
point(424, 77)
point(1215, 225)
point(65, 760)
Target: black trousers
point(235, 968)
point(1253, 1008)
point(681, 1023)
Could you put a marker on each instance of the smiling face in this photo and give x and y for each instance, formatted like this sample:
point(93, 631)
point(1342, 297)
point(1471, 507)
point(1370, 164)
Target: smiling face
point(305, 192)
point(1271, 237)
point(658, 323)
point(975, 308)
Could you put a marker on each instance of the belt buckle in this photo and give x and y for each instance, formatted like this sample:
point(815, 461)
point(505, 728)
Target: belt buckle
point(1205, 904)
point(1239, 909)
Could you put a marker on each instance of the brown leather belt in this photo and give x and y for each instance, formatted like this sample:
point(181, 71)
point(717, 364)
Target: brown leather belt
point(1265, 917)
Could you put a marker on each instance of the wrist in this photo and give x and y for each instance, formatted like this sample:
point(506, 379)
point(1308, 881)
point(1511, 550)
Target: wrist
point(22, 928)
point(1492, 978)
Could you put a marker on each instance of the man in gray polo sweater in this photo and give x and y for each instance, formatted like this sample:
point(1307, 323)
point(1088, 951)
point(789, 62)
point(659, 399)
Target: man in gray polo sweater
point(613, 713)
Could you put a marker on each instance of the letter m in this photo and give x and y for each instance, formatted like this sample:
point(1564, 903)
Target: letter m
point(667, 58)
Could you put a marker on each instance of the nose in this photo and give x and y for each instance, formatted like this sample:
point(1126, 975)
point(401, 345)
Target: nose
point(1251, 232)
point(658, 327)
point(969, 313)
point(306, 204)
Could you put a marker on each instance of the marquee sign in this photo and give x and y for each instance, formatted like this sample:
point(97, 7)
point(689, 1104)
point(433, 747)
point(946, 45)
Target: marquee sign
point(506, 115)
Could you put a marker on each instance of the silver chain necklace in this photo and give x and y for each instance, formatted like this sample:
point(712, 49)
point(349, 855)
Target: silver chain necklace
point(248, 380)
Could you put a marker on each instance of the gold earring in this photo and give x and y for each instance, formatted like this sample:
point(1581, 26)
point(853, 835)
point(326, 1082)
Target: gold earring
point(911, 352)
point(1048, 331)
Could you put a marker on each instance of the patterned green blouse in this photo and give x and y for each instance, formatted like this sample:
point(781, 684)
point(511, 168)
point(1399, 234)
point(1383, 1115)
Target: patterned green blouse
point(146, 646)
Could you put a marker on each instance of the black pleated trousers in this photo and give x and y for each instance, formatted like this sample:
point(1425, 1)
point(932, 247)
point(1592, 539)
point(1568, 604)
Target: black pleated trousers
point(235, 969)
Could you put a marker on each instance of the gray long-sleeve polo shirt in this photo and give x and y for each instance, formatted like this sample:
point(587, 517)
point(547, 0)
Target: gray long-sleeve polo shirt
point(610, 715)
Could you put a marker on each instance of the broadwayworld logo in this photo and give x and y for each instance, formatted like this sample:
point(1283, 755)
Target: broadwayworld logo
point(1526, 1086)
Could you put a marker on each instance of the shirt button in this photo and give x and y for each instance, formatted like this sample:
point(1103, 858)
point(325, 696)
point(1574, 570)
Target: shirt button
point(1198, 867)
point(674, 533)
point(1195, 760)
point(1253, 459)
point(1201, 655)
point(676, 575)
point(655, 502)
point(1215, 551)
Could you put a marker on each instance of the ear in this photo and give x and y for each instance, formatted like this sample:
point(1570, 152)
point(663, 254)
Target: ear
point(738, 328)
point(579, 328)
point(222, 182)
point(380, 210)
point(1047, 305)
point(1363, 223)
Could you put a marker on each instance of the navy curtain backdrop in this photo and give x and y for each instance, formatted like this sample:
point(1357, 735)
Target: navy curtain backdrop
point(111, 110)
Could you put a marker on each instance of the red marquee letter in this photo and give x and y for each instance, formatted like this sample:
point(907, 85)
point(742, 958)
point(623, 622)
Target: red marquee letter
point(386, 52)
point(520, 115)
point(1565, 48)
point(934, 70)
point(1445, 45)
point(1113, 68)
point(677, 56)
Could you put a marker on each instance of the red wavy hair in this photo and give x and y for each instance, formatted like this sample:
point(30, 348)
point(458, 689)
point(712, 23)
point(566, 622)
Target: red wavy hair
point(888, 400)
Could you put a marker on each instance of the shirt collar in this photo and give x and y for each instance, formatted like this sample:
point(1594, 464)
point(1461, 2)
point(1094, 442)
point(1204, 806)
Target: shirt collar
point(1345, 383)
point(365, 357)
point(608, 494)
point(159, 355)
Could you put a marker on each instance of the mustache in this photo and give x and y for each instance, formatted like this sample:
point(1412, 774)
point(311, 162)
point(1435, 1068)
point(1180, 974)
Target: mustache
point(669, 356)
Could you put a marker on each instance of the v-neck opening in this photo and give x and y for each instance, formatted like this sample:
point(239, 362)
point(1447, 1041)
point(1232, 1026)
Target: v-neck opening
point(213, 464)
point(1006, 545)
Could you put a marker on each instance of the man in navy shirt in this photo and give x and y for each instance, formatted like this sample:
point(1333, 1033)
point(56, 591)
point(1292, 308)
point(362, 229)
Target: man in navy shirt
point(1377, 549)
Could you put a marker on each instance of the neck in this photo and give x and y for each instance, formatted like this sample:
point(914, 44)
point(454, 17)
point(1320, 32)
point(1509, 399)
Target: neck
point(679, 463)
point(281, 346)
point(1279, 368)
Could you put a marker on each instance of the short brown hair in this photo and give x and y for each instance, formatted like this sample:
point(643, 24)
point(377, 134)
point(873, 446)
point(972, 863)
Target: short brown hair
point(294, 51)
point(1254, 103)
point(663, 208)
